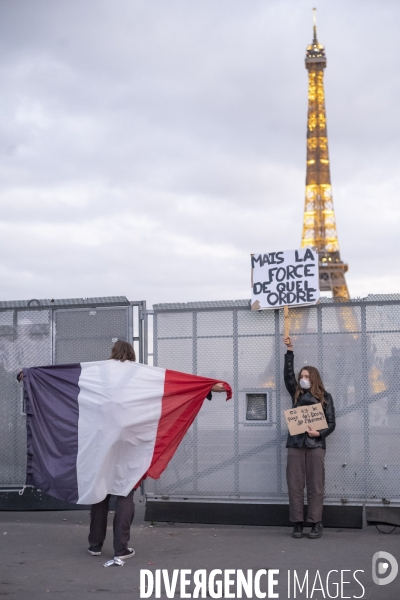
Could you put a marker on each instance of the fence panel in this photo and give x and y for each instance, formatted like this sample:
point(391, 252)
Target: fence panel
point(237, 449)
point(87, 334)
point(43, 334)
point(25, 340)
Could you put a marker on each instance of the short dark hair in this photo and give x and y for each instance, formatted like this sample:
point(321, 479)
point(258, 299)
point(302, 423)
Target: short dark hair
point(123, 351)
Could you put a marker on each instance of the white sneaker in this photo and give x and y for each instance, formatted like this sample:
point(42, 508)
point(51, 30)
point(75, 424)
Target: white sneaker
point(94, 552)
point(127, 554)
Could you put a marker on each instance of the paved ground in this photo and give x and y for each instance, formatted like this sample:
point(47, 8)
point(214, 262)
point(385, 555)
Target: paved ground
point(43, 555)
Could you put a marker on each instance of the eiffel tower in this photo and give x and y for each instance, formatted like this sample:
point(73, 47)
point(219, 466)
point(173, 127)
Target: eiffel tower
point(319, 227)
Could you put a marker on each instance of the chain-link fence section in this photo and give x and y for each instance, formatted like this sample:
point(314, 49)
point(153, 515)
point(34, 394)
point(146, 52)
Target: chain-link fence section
point(236, 450)
point(49, 332)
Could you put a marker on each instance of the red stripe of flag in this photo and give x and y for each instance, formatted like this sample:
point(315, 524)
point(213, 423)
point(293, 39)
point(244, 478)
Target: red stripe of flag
point(183, 397)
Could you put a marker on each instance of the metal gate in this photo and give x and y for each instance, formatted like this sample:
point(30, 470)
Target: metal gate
point(236, 450)
point(45, 332)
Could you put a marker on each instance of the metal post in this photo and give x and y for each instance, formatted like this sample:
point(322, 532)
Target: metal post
point(155, 360)
point(236, 402)
point(320, 342)
point(364, 359)
point(195, 424)
point(131, 325)
point(140, 332)
point(53, 335)
point(155, 340)
point(145, 334)
point(278, 376)
point(13, 441)
point(15, 325)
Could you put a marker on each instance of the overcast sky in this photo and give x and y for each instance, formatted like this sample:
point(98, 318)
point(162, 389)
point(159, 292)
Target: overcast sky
point(149, 146)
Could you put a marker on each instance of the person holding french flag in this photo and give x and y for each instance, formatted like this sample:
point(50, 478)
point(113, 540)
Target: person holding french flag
point(99, 428)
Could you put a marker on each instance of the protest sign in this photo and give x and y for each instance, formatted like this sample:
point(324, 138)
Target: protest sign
point(301, 418)
point(287, 278)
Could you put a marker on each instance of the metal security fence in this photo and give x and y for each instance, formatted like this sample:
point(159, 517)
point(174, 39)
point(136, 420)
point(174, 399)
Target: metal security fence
point(236, 450)
point(45, 332)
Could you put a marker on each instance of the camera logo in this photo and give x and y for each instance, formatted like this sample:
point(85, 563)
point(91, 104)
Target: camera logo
point(384, 563)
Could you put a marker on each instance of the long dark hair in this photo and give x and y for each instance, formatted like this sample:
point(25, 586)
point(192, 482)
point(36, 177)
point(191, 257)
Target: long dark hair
point(317, 387)
point(123, 351)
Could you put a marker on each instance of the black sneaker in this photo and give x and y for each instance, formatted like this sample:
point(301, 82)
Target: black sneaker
point(298, 530)
point(94, 551)
point(127, 554)
point(316, 531)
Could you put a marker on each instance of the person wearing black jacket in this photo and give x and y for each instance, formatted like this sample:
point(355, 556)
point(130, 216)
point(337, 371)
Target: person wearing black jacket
point(306, 451)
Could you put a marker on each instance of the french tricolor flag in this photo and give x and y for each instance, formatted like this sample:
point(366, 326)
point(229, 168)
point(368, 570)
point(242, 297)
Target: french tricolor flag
point(99, 428)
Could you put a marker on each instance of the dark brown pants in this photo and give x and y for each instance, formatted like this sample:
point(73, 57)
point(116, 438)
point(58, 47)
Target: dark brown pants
point(306, 467)
point(123, 517)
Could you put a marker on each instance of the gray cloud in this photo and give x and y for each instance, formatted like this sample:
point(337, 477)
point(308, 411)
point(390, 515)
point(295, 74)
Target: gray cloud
point(142, 141)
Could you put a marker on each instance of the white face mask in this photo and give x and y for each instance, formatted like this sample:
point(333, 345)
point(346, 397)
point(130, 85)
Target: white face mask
point(305, 384)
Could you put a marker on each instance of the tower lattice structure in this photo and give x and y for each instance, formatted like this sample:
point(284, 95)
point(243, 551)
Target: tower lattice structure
point(319, 226)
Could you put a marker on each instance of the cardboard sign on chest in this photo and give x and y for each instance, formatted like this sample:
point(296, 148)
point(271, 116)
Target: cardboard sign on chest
point(304, 418)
